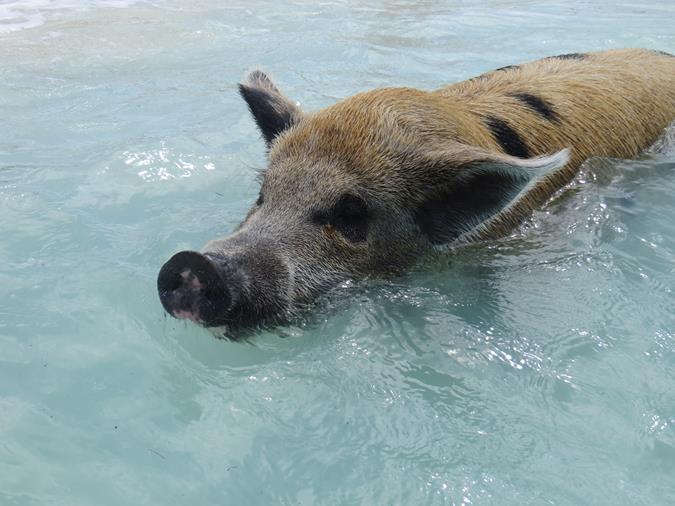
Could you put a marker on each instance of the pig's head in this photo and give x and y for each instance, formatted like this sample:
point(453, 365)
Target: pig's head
point(363, 188)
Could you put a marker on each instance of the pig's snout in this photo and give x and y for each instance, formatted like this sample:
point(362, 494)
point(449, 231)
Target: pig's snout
point(194, 287)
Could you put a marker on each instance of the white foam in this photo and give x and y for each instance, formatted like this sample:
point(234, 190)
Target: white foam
point(22, 14)
point(664, 145)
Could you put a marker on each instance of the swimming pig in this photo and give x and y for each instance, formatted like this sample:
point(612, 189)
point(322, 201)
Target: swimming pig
point(369, 185)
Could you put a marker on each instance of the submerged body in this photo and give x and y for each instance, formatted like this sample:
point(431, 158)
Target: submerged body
point(373, 183)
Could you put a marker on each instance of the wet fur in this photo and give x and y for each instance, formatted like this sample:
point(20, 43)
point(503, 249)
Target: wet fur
point(612, 103)
point(426, 170)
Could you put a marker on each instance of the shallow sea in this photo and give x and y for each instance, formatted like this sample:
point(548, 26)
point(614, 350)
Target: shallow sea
point(537, 370)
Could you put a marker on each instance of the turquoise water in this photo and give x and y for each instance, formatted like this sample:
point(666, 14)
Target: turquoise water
point(537, 370)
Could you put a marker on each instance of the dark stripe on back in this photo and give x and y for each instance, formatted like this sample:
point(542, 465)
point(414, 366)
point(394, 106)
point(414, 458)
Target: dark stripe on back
point(570, 56)
point(538, 105)
point(508, 67)
point(509, 140)
point(486, 76)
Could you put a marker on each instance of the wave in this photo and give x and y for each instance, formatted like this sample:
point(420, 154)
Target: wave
point(23, 14)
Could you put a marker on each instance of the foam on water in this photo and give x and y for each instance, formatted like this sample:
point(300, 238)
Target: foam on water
point(19, 15)
point(535, 370)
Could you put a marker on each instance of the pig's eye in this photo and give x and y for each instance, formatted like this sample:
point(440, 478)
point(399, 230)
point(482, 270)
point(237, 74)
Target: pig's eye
point(349, 216)
point(260, 200)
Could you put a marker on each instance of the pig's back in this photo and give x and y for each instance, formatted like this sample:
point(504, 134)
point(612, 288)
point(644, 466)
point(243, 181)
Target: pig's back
point(610, 103)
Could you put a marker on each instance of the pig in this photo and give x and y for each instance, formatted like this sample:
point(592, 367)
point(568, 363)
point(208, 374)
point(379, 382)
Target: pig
point(372, 184)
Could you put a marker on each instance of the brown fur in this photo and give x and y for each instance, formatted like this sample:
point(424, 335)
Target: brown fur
point(371, 184)
point(612, 103)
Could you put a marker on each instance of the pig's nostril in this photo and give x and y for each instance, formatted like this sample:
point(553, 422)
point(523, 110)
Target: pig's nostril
point(174, 283)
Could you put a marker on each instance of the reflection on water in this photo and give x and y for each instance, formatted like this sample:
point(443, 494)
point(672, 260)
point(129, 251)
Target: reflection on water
point(162, 164)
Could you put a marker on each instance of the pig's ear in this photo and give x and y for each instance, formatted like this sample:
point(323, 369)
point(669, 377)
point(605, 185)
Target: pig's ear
point(273, 112)
point(473, 195)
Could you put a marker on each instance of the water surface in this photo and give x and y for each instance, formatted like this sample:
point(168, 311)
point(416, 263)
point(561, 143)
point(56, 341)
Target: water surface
point(536, 370)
